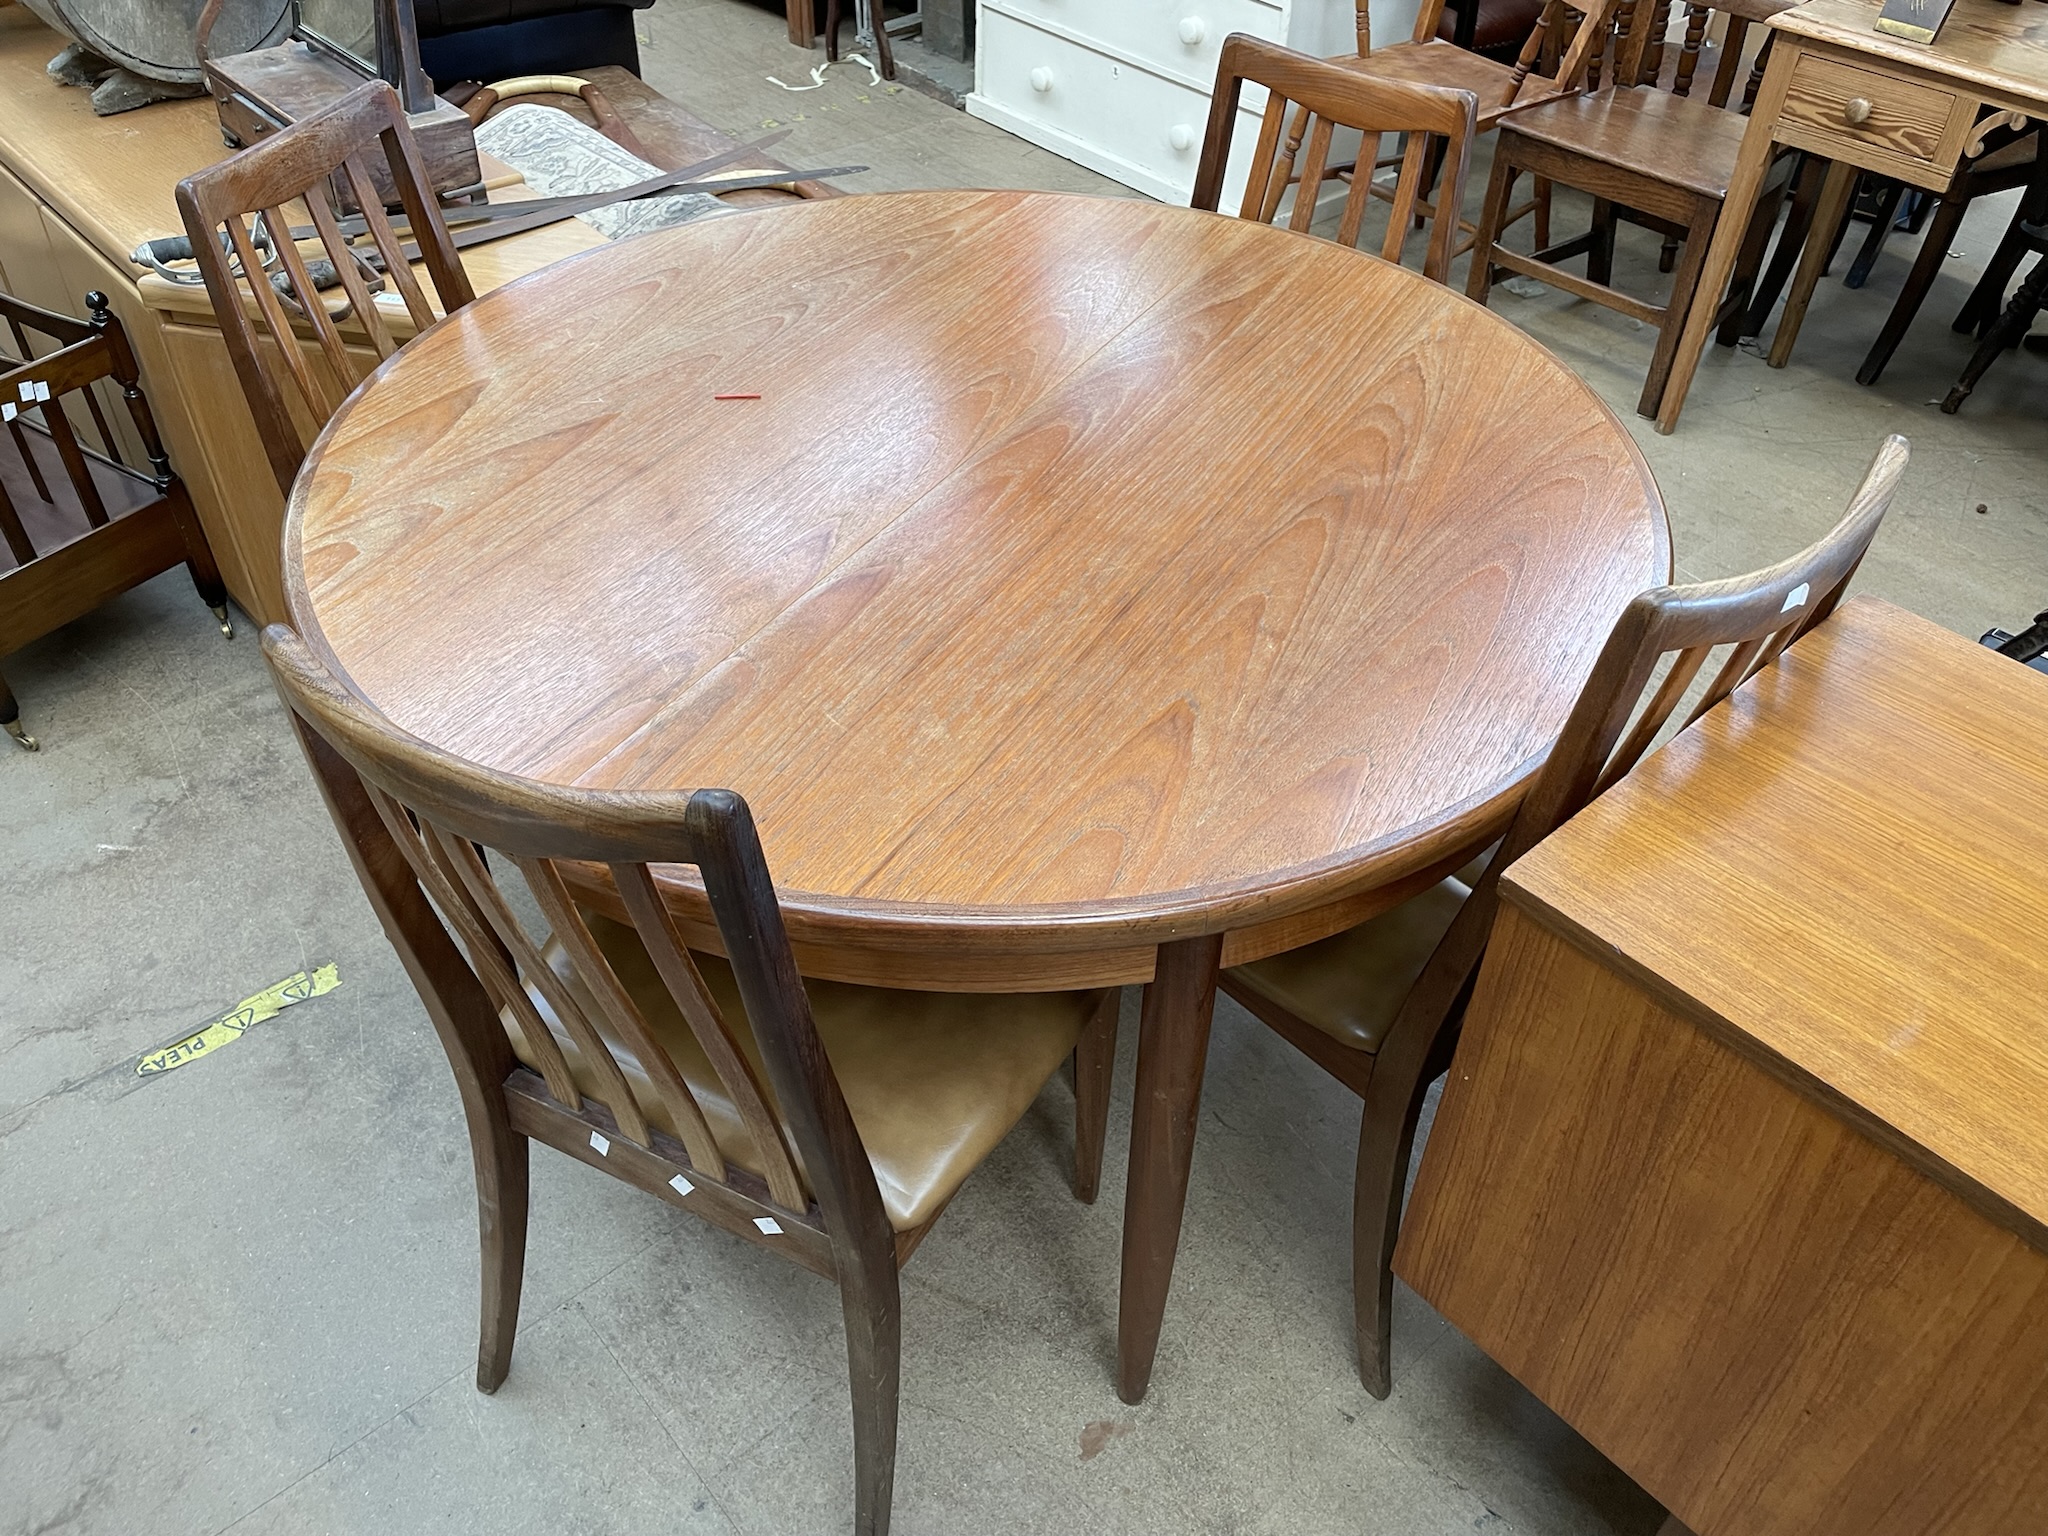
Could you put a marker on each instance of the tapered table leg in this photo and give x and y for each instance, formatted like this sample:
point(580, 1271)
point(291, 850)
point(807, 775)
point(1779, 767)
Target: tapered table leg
point(1173, 1048)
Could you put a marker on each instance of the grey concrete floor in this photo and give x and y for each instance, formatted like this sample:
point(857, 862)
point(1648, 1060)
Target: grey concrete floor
point(242, 1296)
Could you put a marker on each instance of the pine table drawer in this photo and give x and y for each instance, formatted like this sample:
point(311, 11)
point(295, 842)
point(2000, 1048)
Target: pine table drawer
point(1877, 120)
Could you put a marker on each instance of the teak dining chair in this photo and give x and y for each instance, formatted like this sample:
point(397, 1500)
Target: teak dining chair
point(91, 524)
point(1377, 1006)
point(1647, 146)
point(828, 1123)
point(319, 163)
point(1334, 98)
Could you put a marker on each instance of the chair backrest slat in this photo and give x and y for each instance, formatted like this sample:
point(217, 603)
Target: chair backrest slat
point(313, 162)
point(559, 908)
point(1329, 97)
point(461, 829)
point(1610, 727)
point(665, 947)
point(460, 855)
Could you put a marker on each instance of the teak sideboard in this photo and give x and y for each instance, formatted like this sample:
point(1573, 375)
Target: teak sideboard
point(1742, 1163)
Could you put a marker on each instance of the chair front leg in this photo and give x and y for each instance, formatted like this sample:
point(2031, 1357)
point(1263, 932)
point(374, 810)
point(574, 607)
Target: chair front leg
point(1094, 1062)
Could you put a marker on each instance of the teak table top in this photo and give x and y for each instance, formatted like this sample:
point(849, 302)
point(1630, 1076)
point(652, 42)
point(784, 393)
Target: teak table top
point(1089, 573)
point(1843, 873)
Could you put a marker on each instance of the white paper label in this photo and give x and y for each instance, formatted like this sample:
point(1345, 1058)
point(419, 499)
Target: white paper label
point(28, 391)
point(603, 1147)
point(681, 1185)
point(768, 1225)
point(42, 390)
point(6, 410)
point(1796, 598)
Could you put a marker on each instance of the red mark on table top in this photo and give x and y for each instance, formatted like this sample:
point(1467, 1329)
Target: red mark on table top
point(736, 395)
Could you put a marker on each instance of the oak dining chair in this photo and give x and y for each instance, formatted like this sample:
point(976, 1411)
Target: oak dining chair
point(828, 1123)
point(1648, 149)
point(1561, 56)
point(1377, 1006)
point(1331, 99)
point(89, 504)
point(238, 210)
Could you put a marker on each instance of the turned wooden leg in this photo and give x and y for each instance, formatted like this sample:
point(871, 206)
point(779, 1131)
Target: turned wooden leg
point(1094, 1061)
point(1173, 1048)
point(2007, 332)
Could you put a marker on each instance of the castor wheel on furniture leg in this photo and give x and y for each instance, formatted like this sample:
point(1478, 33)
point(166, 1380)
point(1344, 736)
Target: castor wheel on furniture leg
point(220, 617)
point(10, 716)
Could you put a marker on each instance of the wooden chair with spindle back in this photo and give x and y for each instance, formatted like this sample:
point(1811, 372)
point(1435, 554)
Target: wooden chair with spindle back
point(107, 515)
point(1648, 148)
point(828, 1123)
point(1334, 98)
point(1570, 37)
point(311, 163)
point(1377, 1006)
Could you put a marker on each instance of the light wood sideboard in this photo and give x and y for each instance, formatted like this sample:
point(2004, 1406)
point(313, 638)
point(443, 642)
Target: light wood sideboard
point(1741, 1165)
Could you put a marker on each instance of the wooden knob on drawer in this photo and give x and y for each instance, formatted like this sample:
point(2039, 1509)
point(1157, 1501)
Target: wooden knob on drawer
point(1041, 80)
point(1856, 111)
point(1193, 30)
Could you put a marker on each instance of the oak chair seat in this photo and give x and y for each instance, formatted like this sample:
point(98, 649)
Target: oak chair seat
point(1350, 985)
point(1692, 144)
point(1436, 62)
point(933, 1080)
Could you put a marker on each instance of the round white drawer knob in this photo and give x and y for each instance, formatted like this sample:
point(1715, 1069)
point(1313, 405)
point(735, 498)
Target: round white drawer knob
point(1857, 111)
point(1041, 79)
point(1193, 30)
point(1181, 136)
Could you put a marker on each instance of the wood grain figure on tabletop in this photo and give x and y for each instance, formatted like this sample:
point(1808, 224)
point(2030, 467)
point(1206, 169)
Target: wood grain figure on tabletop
point(702, 1080)
point(68, 549)
point(1760, 1206)
point(1644, 148)
point(294, 168)
point(1838, 88)
point(809, 602)
point(1336, 98)
point(1388, 995)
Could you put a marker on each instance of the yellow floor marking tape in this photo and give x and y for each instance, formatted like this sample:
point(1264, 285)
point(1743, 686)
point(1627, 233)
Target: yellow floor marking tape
point(228, 1028)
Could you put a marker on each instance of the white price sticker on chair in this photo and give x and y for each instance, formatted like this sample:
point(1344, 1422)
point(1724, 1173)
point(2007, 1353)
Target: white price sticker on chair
point(599, 1145)
point(28, 391)
point(42, 390)
point(769, 1226)
point(681, 1185)
point(1796, 598)
point(6, 410)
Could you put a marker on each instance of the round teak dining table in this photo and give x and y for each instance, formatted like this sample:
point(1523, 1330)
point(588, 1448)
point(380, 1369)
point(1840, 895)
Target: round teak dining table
point(1080, 591)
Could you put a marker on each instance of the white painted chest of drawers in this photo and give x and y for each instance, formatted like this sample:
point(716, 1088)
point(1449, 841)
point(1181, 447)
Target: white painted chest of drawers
point(1122, 86)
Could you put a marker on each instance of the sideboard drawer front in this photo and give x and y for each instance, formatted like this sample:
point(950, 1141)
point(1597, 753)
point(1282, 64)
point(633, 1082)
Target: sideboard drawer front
point(1139, 118)
point(1904, 121)
point(1180, 38)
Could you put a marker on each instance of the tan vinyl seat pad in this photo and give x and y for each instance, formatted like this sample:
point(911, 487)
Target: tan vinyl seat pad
point(933, 1080)
point(1352, 984)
